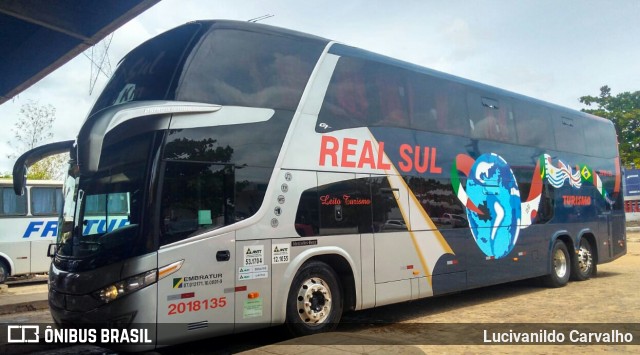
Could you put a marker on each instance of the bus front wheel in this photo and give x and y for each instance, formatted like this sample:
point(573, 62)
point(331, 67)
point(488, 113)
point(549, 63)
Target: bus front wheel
point(314, 304)
point(4, 272)
point(560, 265)
point(583, 264)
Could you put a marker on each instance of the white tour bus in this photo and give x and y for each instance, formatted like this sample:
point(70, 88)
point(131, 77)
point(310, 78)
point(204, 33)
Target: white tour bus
point(276, 177)
point(28, 224)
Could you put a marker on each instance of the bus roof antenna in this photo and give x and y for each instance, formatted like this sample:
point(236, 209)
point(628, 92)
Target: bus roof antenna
point(260, 18)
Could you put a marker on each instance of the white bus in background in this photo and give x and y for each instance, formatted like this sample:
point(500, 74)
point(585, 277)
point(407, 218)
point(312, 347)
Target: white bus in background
point(28, 224)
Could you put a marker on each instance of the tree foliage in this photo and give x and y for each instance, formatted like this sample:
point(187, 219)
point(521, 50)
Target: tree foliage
point(34, 128)
point(624, 110)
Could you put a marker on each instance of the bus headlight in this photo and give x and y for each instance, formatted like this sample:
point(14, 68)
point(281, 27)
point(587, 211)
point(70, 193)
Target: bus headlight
point(133, 283)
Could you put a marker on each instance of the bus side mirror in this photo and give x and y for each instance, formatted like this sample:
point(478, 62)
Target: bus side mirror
point(52, 250)
point(19, 179)
point(33, 156)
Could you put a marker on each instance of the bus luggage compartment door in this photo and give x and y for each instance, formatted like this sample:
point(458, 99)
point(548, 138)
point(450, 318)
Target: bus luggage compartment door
point(197, 301)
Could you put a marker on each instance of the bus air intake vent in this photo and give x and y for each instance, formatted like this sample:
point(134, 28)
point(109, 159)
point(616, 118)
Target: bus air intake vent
point(198, 325)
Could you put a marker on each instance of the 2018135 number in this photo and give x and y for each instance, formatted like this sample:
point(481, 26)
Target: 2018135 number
point(197, 305)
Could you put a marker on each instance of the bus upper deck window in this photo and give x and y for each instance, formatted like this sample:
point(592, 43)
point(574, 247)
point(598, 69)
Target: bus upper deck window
point(346, 103)
point(393, 102)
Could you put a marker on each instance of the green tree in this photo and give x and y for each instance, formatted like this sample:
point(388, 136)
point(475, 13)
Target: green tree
point(624, 110)
point(34, 128)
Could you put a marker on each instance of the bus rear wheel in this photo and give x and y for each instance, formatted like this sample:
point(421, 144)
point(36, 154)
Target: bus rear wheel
point(314, 304)
point(583, 264)
point(559, 265)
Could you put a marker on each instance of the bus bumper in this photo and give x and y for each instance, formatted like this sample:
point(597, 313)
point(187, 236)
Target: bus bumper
point(134, 313)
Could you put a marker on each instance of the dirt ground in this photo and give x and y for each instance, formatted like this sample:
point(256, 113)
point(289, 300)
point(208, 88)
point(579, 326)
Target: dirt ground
point(611, 297)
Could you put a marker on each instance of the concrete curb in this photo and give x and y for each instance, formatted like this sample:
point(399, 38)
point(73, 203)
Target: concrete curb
point(24, 307)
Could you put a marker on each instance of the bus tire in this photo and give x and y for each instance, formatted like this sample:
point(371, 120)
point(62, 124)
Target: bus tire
point(314, 304)
point(583, 264)
point(4, 271)
point(560, 265)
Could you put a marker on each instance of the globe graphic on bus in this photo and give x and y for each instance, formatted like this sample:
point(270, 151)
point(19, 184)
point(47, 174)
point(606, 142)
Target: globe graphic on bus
point(492, 187)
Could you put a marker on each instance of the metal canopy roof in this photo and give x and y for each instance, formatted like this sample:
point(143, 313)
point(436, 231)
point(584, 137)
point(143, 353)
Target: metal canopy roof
point(38, 36)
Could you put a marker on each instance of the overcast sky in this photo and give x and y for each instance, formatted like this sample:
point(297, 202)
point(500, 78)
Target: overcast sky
point(552, 50)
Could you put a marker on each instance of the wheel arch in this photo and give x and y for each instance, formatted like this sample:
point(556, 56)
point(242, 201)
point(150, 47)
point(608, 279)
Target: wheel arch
point(565, 237)
point(7, 260)
point(588, 235)
point(336, 258)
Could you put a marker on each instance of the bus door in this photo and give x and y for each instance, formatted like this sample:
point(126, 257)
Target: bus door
point(612, 225)
point(605, 228)
point(396, 256)
point(40, 263)
point(197, 300)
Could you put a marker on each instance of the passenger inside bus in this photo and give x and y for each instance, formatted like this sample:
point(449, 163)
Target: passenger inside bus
point(486, 128)
point(393, 100)
point(346, 103)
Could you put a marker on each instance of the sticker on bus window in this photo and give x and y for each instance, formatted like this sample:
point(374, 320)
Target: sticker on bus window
point(204, 217)
point(253, 255)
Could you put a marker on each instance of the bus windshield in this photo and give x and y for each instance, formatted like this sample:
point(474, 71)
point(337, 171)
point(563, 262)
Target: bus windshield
point(107, 207)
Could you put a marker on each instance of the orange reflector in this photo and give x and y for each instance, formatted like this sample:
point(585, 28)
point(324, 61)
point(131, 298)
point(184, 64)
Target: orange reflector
point(515, 259)
point(253, 295)
point(169, 269)
point(416, 272)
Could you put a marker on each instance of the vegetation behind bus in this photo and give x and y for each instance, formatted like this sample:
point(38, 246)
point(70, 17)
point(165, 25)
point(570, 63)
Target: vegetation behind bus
point(33, 128)
point(624, 110)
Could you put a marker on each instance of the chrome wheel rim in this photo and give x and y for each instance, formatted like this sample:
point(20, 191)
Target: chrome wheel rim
point(314, 301)
point(560, 263)
point(584, 258)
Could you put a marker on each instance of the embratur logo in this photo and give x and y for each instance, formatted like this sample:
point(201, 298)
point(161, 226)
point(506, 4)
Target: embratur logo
point(177, 282)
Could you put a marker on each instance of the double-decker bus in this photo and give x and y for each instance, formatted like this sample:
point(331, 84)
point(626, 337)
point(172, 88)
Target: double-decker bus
point(276, 177)
point(28, 224)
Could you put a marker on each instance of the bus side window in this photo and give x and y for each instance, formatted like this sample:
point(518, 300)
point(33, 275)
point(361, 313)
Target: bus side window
point(490, 118)
point(533, 126)
point(423, 107)
point(393, 97)
point(12, 205)
point(346, 104)
point(437, 105)
point(568, 133)
point(46, 200)
point(600, 131)
point(451, 109)
point(196, 197)
point(307, 222)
